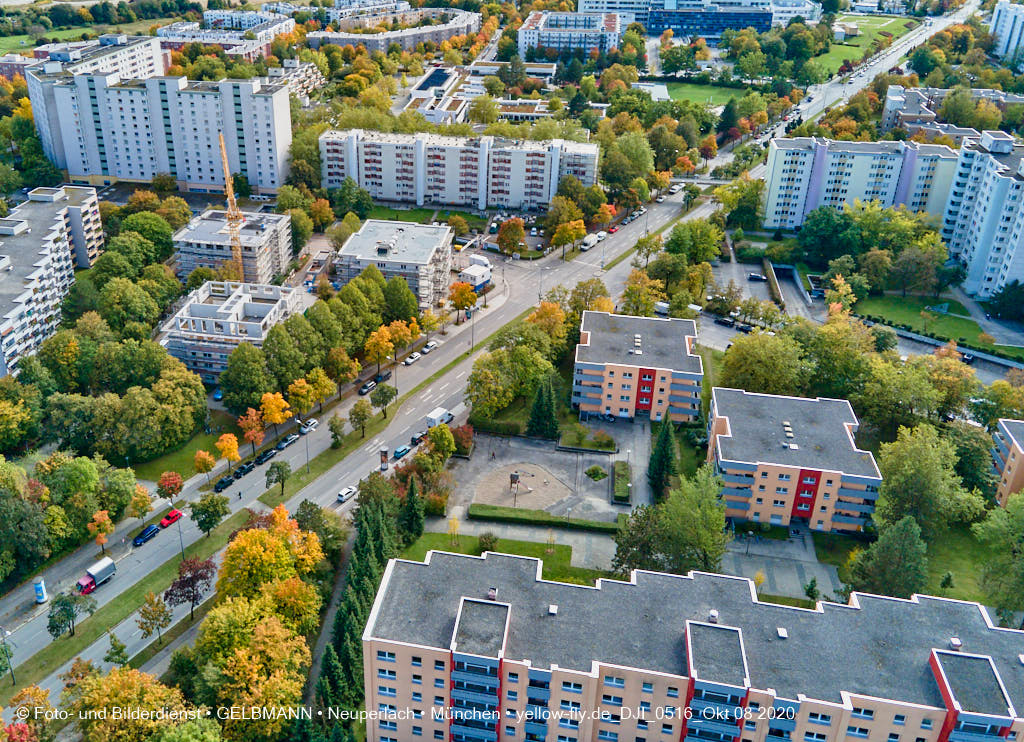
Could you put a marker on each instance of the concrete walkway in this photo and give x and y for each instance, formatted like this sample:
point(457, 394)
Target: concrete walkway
point(1005, 332)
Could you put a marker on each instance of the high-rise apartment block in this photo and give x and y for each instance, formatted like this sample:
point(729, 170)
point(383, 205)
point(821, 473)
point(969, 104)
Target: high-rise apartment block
point(786, 459)
point(1007, 26)
point(590, 32)
point(40, 241)
point(1008, 458)
point(205, 242)
point(637, 366)
point(804, 173)
point(482, 649)
point(419, 253)
point(218, 317)
point(106, 114)
point(459, 171)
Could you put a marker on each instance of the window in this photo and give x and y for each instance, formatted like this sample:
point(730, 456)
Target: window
point(899, 720)
point(856, 732)
point(417, 661)
point(608, 736)
point(673, 692)
point(417, 696)
point(439, 682)
point(513, 677)
point(439, 700)
point(438, 734)
point(565, 738)
point(439, 664)
point(609, 718)
point(779, 503)
point(645, 705)
point(387, 674)
point(926, 723)
point(569, 723)
point(513, 695)
point(417, 679)
point(611, 700)
point(816, 718)
point(390, 726)
point(648, 688)
point(572, 687)
point(417, 731)
point(510, 731)
point(641, 724)
point(383, 656)
point(613, 682)
point(814, 737)
point(894, 737)
point(569, 705)
point(387, 691)
point(417, 713)
point(863, 713)
point(666, 729)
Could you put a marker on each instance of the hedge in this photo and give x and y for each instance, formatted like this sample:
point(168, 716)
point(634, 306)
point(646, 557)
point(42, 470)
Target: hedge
point(622, 480)
point(773, 284)
point(496, 427)
point(962, 342)
point(524, 516)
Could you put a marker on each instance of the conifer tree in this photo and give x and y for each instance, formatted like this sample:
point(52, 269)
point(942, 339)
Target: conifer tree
point(410, 517)
point(663, 463)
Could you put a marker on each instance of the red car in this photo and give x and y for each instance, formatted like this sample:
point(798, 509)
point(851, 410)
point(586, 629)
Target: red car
point(171, 517)
point(613, 230)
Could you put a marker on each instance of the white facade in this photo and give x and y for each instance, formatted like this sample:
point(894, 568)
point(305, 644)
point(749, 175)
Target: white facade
point(906, 107)
point(37, 242)
point(218, 316)
point(1007, 25)
point(453, 22)
point(804, 173)
point(629, 11)
point(587, 31)
point(984, 221)
point(206, 242)
point(476, 172)
point(783, 11)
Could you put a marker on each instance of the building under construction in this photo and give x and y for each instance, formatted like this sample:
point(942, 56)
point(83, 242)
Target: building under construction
point(206, 241)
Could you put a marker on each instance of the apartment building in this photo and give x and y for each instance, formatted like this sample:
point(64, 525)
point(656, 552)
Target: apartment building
point(445, 23)
point(804, 173)
point(205, 242)
point(218, 316)
point(637, 366)
point(708, 18)
point(244, 34)
point(783, 11)
point(107, 114)
point(40, 241)
point(589, 32)
point(482, 649)
point(1007, 458)
point(14, 65)
point(1007, 26)
point(302, 78)
point(459, 171)
point(907, 107)
point(419, 253)
point(983, 224)
point(341, 11)
point(786, 459)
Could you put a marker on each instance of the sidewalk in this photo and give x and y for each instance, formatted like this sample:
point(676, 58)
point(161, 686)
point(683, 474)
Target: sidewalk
point(1004, 332)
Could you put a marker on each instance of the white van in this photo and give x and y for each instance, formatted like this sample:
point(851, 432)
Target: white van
point(601, 236)
point(588, 242)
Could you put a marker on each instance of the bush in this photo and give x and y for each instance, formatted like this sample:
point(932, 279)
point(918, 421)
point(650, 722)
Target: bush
point(781, 252)
point(623, 476)
point(777, 236)
point(596, 473)
point(497, 427)
point(435, 505)
point(488, 542)
point(577, 434)
point(603, 440)
point(747, 253)
point(463, 436)
point(501, 514)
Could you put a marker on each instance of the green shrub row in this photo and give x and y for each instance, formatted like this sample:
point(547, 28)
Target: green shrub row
point(773, 284)
point(963, 342)
point(501, 514)
point(623, 476)
point(496, 427)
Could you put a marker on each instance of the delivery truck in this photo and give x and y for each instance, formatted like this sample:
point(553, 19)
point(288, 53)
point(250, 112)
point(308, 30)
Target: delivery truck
point(96, 575)
point(438, 416)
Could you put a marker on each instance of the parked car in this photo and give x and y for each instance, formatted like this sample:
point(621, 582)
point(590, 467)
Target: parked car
point(242, 469)
point(613, 229)
point(309, 426)
point(346, 494)
point(266, 456)
point(145, 535)
point(172, 517)
point(608, 417)
point(401, 451)
point(757, 277)
point(602, 235)
point(725, 321)
point(968, 358)
point(413, 357)
point(417, 437)
point(368, 387)
point(429, 347)
point(533, 231)
point(382, 376)
point(218, 395)
point(660, 199)
point(223, 483)
point(287, 441)
point(744, 328)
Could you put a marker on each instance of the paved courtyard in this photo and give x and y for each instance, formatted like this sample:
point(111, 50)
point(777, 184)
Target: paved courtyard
point(787, 565)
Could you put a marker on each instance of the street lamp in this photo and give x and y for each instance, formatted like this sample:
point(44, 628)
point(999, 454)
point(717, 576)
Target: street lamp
point(181, 541)
point(307, 452)
point(4, 633)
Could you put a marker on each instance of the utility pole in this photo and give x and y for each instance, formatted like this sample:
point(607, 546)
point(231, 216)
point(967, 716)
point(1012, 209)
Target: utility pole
point(4, 633)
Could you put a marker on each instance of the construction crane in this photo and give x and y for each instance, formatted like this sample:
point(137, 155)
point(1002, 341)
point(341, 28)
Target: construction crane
point(232, 214)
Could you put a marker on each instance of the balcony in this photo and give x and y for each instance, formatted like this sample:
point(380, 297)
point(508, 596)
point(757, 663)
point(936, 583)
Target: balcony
point(855, 507)
point(483, 735)
point(489, 699)
point(701, 706)
point(959, 735)
point(715, 726)
point(863, 494)
point(736, 492)
point(848, 520)
point(475, 677)
point(737, 478)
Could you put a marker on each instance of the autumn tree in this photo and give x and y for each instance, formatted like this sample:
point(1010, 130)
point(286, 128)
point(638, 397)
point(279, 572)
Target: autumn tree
point(252, 427)
point(275, 409)
point(100, 527)
point(154, 616)
point(209, 510)
point(300, 396)
point(140, 504)
point(462, 296)
point(339, 367)
point(227, 445)
point(193, 581)
point(568, 233)
point(118, 652)
point(510, 234)
point(169, 485)
point(97, 695)
point(641, 294)
point(378, 346)
point(203, 462)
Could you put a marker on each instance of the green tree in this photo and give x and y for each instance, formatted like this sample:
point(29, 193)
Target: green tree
point(382, 396)
point(209, 510)
point(65, 610)
point(543, 421)
point(664, 461)
point(284, 359)
point(400, 303)
point(1002, 574)
point(973, 457)
point(410, 516)
point(278, 473)
point(245, 379)
point(360, 415)
point(302, 228)
point(741, 200)
point(764, 363)
point(895, 564)
point(154, 228)
point(118, 652)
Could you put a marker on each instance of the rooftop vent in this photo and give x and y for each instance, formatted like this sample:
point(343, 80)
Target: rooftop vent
point(552, 610)
point(713, 615)
point(794, 447)
point(789, 434)
point(955, 644)
point(783, 634)
point(492, 593)
point(786, 423)
point(1021, 658)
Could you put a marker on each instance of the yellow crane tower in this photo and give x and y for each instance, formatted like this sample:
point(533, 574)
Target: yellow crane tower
point(233, 215)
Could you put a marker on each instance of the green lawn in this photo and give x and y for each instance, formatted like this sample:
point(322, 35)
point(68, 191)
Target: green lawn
point(23, 43)
point(703, 93)
point(181, 460)
point(422, 216)
point(834, 549)
point(907, 311)
point(471, 219)
point(853, 49)
point(556, 558)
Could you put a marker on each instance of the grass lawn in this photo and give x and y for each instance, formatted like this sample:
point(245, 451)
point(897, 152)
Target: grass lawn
point(834, 549)
point(703, 93)
point(907, 311)
point(853, 49)
point(55, 654)
point(402, 215)
point(712, 370)
point(181, 460)
point(556, 557)
point(23, 43)
point(471, 219)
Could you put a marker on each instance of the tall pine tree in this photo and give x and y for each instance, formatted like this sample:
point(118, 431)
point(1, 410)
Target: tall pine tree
point(410, 517)
point(543, 422)
point(663, 463)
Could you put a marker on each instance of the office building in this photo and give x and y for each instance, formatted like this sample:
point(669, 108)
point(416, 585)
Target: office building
point(804, 173)
point(791, 459)
point(419, 253)
point(458, 171)
point(1007, 26)
point(637, 366)
point(708, 18)
point(783, 11)
point(205, 242)
point(983, 224)
point(218, 316)
point(482, 649)
point(424, 25)
point(589, 32)
point(905, 107)
point(1007, 458)
point(40, 241)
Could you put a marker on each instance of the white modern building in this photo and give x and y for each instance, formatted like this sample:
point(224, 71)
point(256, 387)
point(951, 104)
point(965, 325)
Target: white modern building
point(908, 108)
point(983, 224)
point(40, 241)
point(219, 316)
point(302, 78)
point(106, 114)
point(424, 25)
point(1007, 26)
point(783, 11)
point(241, 33)
point(476, 172)
point(341, 9)
point(804, 173)
point(205, 242)
point(628, 11)
point(563, 31)
point(419, 253)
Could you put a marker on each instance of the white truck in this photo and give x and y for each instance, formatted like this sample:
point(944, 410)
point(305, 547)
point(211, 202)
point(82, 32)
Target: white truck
point(438, 416)
point(479, 260)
